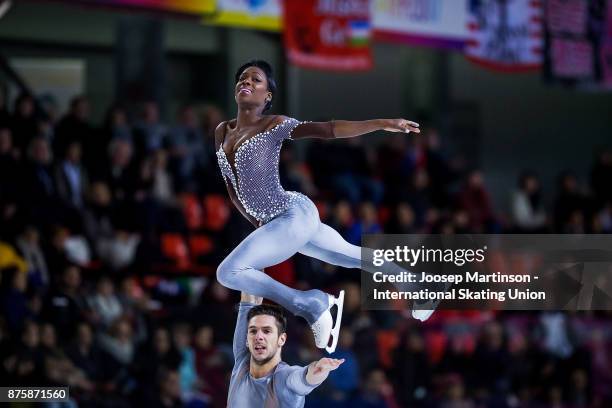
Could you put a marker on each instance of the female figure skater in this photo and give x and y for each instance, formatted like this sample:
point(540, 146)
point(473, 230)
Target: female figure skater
point(286, 222)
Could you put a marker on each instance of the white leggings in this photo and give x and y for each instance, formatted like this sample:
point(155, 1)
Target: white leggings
point(298, 229)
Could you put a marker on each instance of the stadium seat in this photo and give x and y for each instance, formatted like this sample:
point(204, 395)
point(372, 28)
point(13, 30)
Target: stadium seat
point(192, 211)
point(200, 245)
point(216, 211)
point(173, 246)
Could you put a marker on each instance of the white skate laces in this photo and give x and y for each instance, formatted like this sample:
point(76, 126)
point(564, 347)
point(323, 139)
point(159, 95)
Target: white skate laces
point(324, 328)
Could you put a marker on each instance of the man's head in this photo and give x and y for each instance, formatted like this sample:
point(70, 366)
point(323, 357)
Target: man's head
point(266, 333)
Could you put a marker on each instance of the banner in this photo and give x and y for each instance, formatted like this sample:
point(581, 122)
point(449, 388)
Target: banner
point(431, 23)
point(257, 14)
point(606, 49)
point(576, 53)
point(328, 34)
point(197, 7)
point(505, 35)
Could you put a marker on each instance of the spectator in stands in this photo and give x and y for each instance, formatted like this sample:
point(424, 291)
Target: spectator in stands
point(211, 366)
point(24, 124)
point(418, 195)
point(59, 370)
point(149, 133)
point(474, 199)
point(491, 357)
point(411, 371)
point(352, 173)
point(375, 392)
point(167, 394)
point(186, 148)
point(116, 125)
point(28, 243)
point(5, 116)
point(163, 185)
point(71, 178)
point(98, 216)
point(14, 301)
point(118, 174)
point(345, 379)
point(66, 305)
point(366, 224)
point(438, 167)
point(155, 354)
point(9, 167)
point(401, 220)
point(24, 364)
point(181, 337)
point(85, 354)
point(104, 304)
point(454, 393)
point(119, 347)
point(342, 219)
point(39, 193)
point(75, 127)
point(527, 208)
point(569, 201)
point(601, 174)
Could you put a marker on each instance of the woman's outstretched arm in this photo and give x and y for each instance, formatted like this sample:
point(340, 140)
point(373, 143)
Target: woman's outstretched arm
point(337, 129)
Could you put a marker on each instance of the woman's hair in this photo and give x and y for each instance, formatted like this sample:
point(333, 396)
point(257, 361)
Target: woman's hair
point(267, 69)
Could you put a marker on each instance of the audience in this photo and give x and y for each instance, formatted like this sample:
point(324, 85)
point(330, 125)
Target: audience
point(107, 288)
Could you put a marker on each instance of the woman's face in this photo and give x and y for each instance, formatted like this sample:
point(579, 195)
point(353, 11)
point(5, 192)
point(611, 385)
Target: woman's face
point(252, 87)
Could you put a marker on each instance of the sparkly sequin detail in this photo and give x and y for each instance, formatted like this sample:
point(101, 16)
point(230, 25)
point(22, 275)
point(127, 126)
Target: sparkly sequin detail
point(257, 183)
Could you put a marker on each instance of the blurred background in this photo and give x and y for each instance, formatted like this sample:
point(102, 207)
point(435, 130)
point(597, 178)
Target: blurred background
point(114, 217)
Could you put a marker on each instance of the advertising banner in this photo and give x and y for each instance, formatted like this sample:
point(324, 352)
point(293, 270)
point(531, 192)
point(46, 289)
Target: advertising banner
point(328, 34)
point(434, 23)
point(505, 35)
point(258, 14)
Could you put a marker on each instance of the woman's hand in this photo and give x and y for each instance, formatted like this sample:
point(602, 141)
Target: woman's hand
point(400, 125)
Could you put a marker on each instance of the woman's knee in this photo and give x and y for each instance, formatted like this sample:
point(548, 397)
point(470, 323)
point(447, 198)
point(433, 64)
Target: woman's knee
point(228, 272)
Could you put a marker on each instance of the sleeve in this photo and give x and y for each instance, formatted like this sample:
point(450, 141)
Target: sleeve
point(289, 125)
point(296, 380)
point(240, 333)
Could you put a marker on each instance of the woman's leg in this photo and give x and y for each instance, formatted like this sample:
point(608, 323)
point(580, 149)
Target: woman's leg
point(329, 246)
point(269, 245)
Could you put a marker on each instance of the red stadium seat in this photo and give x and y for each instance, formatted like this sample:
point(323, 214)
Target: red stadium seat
point(387, 341)
point(436, 344)
point(200, 245)
point(192, 211)
point(173, 246)
point(217, 212)
point(384, 214)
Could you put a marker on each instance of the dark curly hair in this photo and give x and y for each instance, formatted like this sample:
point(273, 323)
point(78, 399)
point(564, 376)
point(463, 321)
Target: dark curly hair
point(270, 310)
point(267, 69)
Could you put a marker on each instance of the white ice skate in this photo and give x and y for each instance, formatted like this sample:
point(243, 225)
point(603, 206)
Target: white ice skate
point(324, 327)
point(425, 311)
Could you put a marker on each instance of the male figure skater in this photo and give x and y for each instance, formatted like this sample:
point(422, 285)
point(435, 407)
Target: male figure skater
point(260, 378)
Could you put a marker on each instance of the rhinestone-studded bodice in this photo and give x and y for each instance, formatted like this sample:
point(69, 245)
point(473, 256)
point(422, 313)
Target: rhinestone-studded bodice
point(256, 182)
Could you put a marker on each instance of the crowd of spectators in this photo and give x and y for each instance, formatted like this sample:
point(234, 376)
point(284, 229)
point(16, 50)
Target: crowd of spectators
point(110, 236)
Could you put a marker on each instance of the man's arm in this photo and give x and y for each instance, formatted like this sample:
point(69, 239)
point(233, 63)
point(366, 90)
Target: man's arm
point(305, 379)
point(240, 333)
point(319, 370)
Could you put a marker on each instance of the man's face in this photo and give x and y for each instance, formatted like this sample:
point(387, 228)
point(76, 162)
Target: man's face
point(263, 340)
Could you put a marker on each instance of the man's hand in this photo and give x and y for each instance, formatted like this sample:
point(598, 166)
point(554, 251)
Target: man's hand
point(400, 125)
point(319, 370)
point(246, 298)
